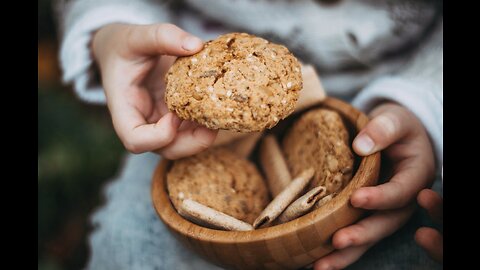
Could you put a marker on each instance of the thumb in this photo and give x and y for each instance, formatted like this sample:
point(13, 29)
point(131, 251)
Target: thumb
point(384, 129)
point(166, 39)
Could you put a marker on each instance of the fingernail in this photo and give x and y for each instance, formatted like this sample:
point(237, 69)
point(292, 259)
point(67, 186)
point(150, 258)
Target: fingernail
point(358, 199)
point(176, 121)
point(364, 144)
point(345, 244)
point(326, 267)
point(191, 43)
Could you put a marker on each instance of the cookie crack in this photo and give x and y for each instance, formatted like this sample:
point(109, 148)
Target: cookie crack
point(264, 62)
point(220, 75)
point(230, 43)
point(223, 70)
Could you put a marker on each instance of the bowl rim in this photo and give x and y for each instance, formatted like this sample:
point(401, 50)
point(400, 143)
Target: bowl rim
point(167, 213)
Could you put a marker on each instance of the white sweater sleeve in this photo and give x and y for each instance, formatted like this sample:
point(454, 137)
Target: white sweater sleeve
point(79, 19)
point(418, 87)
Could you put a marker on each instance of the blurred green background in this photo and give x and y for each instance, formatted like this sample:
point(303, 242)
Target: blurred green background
point(78, 152)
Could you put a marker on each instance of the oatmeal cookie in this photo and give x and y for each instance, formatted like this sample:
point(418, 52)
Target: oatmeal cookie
point(221, 180)
point(236, 82)
point(319, 139)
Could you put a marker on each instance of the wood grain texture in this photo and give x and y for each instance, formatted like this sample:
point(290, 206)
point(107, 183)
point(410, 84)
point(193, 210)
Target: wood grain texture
point(286, 246)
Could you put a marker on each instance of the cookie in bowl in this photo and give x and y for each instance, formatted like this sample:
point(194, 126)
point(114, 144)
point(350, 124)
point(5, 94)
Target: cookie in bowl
point(221, 180)
point(320, 139)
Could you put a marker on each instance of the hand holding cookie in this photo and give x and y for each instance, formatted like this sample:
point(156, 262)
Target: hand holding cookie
point(133, 60)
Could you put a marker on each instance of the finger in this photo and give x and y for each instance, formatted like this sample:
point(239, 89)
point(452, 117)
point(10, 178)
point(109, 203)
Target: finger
point(373, 228)
point(432, 202)
point(432, 241)
point(187, 124)
point(164, 39)
point(383, 130)
point(138, 136)
point(396, 193)
point(154, 80)
point(189, 142)
point(341, 258)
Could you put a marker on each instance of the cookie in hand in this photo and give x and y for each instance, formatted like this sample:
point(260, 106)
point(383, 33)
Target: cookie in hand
point(236, 82)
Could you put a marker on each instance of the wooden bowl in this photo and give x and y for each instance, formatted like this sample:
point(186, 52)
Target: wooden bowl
point(287, 246)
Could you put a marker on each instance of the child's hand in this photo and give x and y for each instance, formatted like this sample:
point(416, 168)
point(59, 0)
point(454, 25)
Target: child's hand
point(430, 239)
point(406, 143)
point(133, 61)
